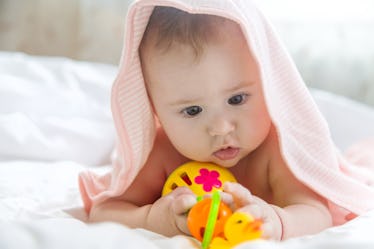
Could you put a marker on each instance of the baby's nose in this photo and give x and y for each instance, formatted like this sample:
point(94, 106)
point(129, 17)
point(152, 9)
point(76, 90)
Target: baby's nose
point(221, 126)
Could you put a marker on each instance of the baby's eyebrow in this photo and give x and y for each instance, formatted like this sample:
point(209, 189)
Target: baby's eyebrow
point(185, 101)
point(240, 85)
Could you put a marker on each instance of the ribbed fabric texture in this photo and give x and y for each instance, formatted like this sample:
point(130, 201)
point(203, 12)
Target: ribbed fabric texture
point(305, 139)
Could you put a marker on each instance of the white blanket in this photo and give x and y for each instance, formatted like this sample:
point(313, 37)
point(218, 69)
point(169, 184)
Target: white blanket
point(55, 122)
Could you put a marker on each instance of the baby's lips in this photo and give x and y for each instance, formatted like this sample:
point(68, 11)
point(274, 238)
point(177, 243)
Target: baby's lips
point(227, 154)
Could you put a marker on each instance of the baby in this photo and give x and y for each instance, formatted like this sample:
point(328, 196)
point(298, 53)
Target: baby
point(206, 92)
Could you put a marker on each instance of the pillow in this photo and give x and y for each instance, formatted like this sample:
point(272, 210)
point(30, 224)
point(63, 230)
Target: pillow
point(349, 121)
point(54, 108)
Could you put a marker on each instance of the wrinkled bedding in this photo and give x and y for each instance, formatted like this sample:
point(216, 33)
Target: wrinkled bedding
point(55, 121)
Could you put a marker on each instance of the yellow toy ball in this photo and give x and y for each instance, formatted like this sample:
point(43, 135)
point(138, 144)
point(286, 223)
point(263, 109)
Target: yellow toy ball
point(201, 178)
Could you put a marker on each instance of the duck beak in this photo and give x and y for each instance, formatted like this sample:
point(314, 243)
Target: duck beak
point(254, 226)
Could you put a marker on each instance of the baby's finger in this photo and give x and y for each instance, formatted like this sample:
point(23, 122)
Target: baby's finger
point(224, 197)
point(183, 203)
point(227, 198)
point(254, 210)
point(241, 195)
point(179, 191)
point(267, 231)
point(181, 223)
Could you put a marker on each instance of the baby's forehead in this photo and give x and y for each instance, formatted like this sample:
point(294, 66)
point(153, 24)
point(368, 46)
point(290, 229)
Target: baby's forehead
point(231, 34)
point(169, 27)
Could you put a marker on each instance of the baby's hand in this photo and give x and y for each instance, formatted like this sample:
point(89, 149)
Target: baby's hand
point(245, 202)
point(168, 214)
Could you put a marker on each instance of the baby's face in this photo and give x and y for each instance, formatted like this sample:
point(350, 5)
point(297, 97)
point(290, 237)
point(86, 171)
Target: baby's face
point(212, 108)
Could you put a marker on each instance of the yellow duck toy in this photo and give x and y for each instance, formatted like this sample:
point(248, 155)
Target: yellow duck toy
point(239, 227)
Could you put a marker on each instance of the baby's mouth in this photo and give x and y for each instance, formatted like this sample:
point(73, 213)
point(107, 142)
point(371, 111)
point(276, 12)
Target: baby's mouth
point(227, 153)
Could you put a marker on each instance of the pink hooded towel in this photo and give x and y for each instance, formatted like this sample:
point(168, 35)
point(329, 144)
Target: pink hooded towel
point(304, 136)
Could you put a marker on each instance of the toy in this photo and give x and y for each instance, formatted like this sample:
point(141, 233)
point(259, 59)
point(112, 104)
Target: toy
point(213, 223)
point(201, 178)
point(210, 220)
point(206, 220)
point(239, 227)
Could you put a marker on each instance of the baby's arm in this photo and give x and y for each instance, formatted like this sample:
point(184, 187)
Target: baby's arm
point(306, 216)
point(165, 216)
point(295, 210)
point(300, 209)
point(141, 205)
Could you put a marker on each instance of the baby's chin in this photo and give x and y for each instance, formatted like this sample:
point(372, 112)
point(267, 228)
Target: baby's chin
point(227, 163)
point(224, 163)
point(212, 159)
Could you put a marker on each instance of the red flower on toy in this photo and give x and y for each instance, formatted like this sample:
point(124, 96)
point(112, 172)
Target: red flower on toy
point(208, 179)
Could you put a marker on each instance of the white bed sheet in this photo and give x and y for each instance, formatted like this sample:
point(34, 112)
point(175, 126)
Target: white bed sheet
point(40, 205)
point(38, 202)
point(54, 108)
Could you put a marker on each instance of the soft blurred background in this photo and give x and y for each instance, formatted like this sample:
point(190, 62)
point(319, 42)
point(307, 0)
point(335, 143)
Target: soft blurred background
point(332, 41)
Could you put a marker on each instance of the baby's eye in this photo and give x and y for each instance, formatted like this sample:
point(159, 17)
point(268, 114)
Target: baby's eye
point(192, 111)
point(238, 99)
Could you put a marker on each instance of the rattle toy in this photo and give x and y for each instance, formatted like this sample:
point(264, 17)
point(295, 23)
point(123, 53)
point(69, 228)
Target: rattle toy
point(206, 220)
point(210, 220)
point(239, 227)
point(201, 178)
point(213, 223)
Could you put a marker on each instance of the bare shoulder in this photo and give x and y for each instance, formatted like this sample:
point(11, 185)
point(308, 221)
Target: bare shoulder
point(286, 188)
point(253, 171)
point(148, 184)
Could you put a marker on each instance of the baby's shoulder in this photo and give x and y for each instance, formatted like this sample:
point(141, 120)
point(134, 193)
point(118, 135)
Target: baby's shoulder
point(271, 148)
point(165, 154)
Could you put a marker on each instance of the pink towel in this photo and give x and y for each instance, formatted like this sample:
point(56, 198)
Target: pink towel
point(304, 136)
